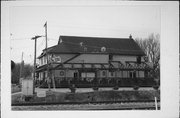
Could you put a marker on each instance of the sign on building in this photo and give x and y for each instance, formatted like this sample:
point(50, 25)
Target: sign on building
point(41, 93)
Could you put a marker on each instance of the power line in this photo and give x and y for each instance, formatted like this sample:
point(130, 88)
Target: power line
point(13, 39)
point(42, 42)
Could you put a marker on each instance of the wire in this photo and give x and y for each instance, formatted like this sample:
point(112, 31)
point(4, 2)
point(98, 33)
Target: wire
point(42, 42)
point(13, 39)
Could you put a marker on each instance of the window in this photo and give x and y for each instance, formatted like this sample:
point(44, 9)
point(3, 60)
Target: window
point(75, 74)
point(104, 73)
point(112, 74)
point(88, 74)
point(132, 74)
point(139, 59)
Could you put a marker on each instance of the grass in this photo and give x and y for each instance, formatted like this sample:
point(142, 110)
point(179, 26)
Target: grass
point(15, 88)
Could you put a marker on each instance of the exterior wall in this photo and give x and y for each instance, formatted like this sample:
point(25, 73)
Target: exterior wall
point(111, 74)
point(141, 73)
point(42, 61)
point(125, 74)
point(83, 58)
point(119, 74)
point(124, 58)
point(63, 58)
point(91, 58)
point(67, 73)
point(42, 76)
point(70, 73)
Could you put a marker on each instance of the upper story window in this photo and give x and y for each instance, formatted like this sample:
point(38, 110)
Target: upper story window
point(104, 73)
point(139, 59)
point(112, 73)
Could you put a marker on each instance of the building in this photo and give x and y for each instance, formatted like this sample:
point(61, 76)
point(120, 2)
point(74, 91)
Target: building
point(94, 61)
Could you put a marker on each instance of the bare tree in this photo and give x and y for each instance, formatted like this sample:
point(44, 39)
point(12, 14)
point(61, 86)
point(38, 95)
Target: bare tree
point(27, 71)
point(151, 47)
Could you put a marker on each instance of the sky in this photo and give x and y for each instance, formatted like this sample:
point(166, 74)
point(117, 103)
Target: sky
point(116, 21)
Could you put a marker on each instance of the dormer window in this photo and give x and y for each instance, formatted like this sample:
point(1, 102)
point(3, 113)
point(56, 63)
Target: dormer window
point(81, 43)
point(103, 49)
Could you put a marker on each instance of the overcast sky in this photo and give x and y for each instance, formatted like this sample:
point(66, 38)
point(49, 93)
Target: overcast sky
point(97, 21)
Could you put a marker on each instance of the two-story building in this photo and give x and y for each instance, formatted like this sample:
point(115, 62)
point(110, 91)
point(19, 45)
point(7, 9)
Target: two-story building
point(89, 61)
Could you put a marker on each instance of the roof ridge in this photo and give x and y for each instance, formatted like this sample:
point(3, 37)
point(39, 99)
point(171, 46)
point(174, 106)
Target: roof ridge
point(92, 37)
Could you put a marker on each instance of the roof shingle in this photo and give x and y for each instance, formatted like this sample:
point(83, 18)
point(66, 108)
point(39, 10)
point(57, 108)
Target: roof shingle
point(76, 44)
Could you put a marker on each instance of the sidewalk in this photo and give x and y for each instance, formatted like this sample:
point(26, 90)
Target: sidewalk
point(82, 90)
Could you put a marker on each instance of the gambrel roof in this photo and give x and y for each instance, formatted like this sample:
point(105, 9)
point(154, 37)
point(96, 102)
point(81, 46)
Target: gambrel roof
point(77, 44)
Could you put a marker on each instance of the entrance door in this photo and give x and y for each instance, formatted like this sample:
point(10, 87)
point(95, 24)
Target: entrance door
point(75, 77)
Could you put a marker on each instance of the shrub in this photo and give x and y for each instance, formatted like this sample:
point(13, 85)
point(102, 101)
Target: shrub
point(136, 87)
point(156, 87)
point(73, 88)
point(95, 88)
point(116, 87)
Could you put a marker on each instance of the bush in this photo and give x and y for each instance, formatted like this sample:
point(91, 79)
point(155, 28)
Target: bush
point(136, 87)
point(95, 88)
point(73, 88)
point(156, 87)
point(116, 87)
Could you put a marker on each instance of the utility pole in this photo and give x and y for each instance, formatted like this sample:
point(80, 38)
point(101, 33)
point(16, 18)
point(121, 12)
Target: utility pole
point(21, 70)
point(34, 71)
point(21, 66)
point(48, 76)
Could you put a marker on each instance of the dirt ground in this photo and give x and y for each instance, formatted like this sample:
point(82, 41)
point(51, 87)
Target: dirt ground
point(110, 95)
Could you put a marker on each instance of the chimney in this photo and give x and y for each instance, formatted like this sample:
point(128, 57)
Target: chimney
point(60, 40)
point(130, 36)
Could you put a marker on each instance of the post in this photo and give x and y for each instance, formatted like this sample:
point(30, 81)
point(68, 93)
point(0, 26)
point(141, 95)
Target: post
point(45, 25)
point(21, 70)
point(34, 71)
point(48, 79)
point(22, 66)
point(34, 75)
point(156, 103)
